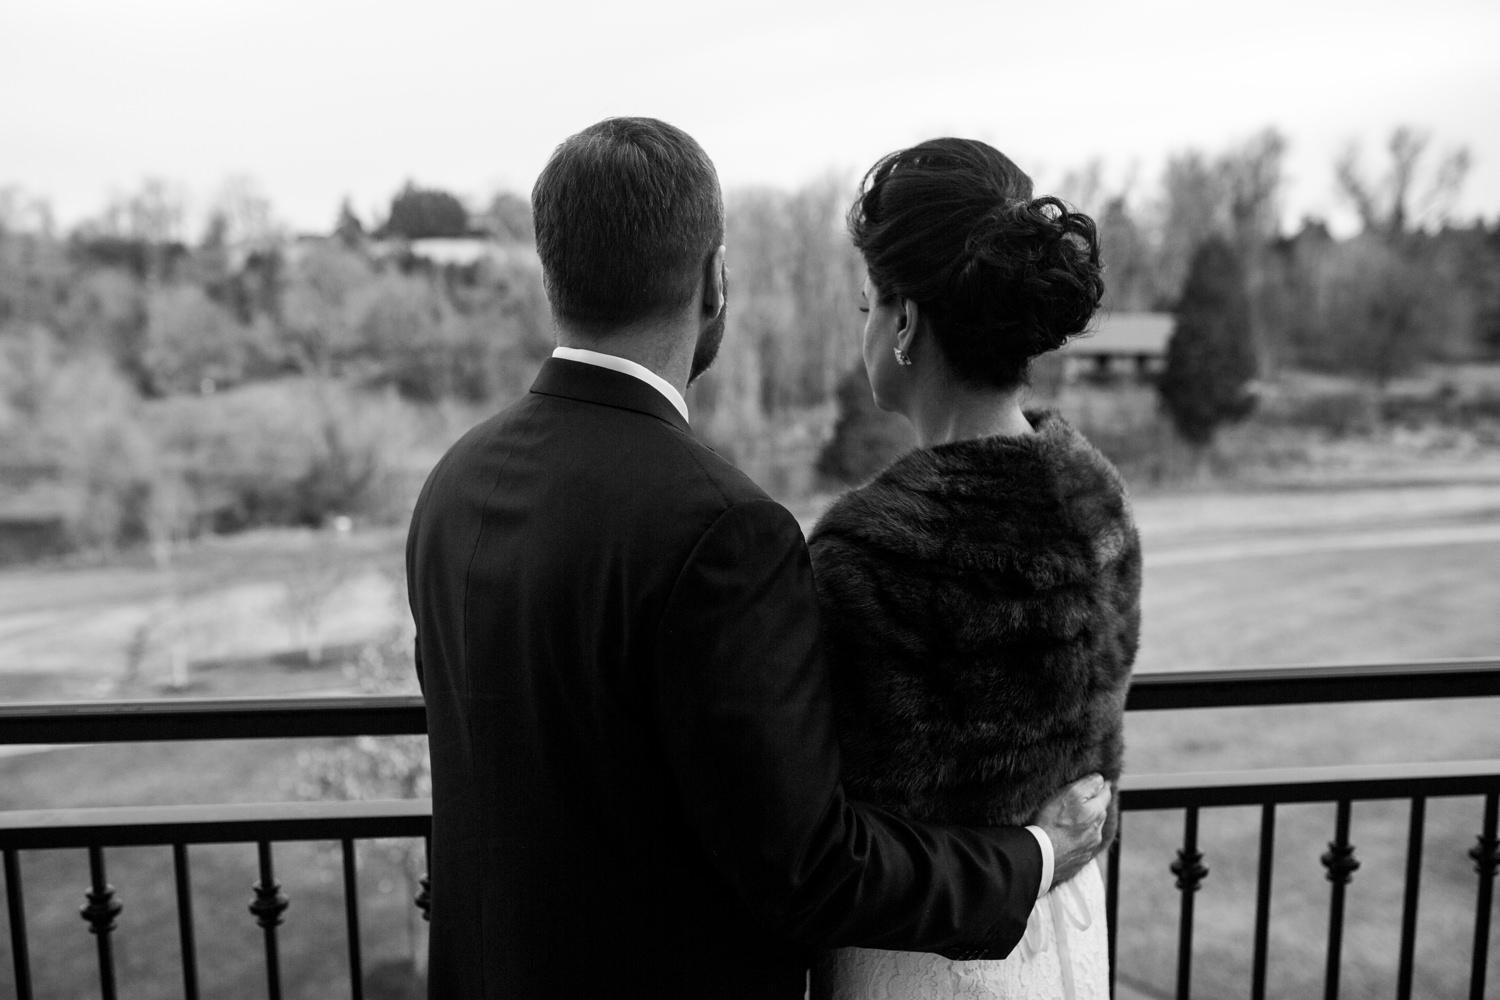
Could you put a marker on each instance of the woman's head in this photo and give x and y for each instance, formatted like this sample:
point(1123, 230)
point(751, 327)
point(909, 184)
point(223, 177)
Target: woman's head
point(998, 277)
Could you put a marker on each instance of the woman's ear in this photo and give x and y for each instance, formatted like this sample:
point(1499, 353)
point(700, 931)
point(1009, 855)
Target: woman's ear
point(911, 318)
point(714, 280)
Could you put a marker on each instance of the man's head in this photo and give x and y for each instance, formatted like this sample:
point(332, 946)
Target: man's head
point(629, 217)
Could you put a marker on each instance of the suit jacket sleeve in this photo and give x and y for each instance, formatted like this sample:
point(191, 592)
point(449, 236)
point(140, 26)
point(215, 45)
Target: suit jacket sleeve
point(743, 712)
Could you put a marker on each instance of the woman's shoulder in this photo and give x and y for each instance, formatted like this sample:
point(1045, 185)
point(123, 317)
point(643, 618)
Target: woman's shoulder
point(1068, 451)
point(1010, 494)
point(891, 511)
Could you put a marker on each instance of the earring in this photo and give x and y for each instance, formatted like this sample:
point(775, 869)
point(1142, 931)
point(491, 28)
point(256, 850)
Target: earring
point(902, 358)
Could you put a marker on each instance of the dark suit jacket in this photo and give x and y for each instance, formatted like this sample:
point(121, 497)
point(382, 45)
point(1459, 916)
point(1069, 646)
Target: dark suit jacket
point(635, 777)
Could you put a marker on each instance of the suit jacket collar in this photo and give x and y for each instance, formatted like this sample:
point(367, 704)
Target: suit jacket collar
point(592, 384)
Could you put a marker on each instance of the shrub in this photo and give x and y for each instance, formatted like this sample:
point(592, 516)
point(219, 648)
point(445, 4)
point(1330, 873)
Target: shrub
point(865, 439)
point(293, 452)
point(77, 417)
point(192, 343)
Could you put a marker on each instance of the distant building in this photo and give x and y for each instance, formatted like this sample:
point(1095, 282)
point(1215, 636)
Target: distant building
point(460, 251)
point(453, 250)
point(1126, 344)
point(1127, 347)
point(34, 511)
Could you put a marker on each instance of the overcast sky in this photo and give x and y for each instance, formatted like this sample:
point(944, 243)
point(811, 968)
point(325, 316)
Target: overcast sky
point(318, 100)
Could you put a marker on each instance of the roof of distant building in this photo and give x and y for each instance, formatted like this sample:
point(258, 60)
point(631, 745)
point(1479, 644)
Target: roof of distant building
point(464, 250)
point(453, 249)
point(1126, 333)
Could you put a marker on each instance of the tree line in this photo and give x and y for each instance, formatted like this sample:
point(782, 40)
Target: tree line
point(157, 386)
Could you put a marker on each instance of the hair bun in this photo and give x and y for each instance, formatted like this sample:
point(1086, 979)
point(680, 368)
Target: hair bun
point(1042, 261)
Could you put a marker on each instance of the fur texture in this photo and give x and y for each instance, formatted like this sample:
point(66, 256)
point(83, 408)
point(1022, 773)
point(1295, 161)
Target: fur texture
point(981, 614)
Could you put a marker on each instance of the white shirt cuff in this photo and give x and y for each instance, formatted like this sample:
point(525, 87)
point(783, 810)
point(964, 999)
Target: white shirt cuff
point(1045, 843)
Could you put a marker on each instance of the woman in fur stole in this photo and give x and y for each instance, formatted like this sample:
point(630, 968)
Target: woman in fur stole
point(981, 595)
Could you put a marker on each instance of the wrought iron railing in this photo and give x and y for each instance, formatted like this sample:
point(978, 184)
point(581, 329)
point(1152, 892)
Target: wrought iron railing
point(261, 824)
point(1340, 786)
point(344, 823)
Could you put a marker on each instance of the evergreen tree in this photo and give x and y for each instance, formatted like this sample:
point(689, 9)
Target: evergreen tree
point(348, 229)
point(866, 438)
point(1211, 357)
point(420, 213)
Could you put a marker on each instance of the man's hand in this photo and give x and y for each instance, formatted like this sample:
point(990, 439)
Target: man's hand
point(1073, 821)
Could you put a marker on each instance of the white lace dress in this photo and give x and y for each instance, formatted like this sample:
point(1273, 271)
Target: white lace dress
point(1064, 956)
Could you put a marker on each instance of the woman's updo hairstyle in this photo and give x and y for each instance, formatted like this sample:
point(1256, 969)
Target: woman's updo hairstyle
point(951, 224)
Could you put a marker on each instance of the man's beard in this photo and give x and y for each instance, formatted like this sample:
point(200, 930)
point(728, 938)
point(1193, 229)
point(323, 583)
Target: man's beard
point(709, 340)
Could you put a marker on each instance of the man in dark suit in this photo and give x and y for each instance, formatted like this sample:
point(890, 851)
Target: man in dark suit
point(635, 779)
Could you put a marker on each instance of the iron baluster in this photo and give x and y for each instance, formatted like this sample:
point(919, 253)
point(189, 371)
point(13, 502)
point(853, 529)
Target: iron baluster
point(1413, 894)
point(187, 939)
point(1112, 898)
point(268, 906)
point(16, 909)
point(1263, 900)
point(185, 933)
point(1486, 854)
point(1190, 873)
point(1341, 865)
point(351, 919)
point(100, 912)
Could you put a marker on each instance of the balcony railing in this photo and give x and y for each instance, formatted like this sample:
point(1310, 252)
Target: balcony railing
point(344, 823)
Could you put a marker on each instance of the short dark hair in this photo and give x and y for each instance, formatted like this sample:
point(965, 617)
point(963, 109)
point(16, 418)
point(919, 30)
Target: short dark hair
point(627, 212)
point(1003, 277)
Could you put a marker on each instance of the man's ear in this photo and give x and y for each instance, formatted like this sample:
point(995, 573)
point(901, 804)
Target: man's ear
point(713, 284)
point(911, 318)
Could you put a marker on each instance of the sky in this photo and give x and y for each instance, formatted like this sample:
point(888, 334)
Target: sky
point(318, 100)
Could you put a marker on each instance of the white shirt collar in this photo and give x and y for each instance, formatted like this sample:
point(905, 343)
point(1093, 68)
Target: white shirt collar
point(627, 367)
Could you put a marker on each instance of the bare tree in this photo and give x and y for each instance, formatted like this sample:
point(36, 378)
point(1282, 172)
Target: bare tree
point(157, 213)
point(794, 282)
point(1084, 188)
point(1400, 200)
point(146, 226)
point(1129, 257)
point(1252, 183)
point(1192, 209)
point(244, 212)
point(24, 213)
point(1251, 178)
point(825, 276)
point(1379, 312)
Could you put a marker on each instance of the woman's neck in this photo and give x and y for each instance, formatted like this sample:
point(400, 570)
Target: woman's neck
point(947, 410)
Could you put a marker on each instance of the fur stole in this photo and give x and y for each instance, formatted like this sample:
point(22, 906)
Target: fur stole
point(981, 605)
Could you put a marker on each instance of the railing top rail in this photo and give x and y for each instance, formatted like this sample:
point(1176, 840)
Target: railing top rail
point(1354, 782)
point(58, 723)
point(120, 826)
point(150, 721)
point(237, 823)
point(1315, 684)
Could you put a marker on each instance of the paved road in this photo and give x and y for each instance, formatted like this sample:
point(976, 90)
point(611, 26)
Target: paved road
point(1344, 540)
